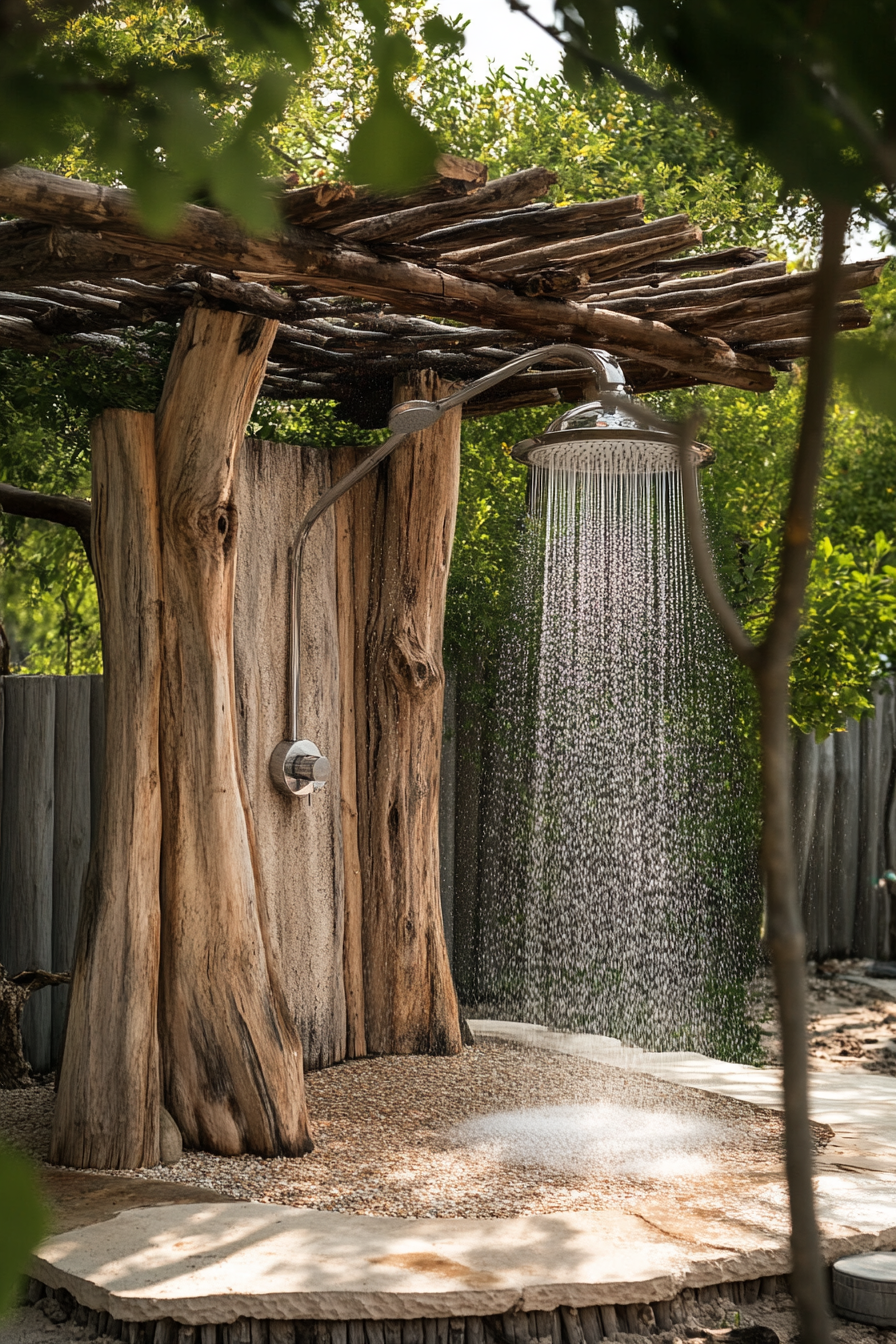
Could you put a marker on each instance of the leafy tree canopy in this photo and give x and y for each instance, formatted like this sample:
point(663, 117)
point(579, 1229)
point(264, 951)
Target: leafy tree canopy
point(181, 102)
point(602, 139)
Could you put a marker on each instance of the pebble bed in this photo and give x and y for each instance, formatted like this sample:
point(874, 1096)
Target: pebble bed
point(384, 1144)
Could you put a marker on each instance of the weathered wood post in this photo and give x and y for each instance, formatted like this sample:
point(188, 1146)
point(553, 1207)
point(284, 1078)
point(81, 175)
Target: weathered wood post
point(231, 1055)
point(107, 1109)
point(400, 558)
point(299, 842)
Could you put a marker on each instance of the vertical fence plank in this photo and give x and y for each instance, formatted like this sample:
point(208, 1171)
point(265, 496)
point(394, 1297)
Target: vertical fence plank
point(97, 751)
point(26, 861)
point(845, 838)
point(71, 830)
point(447, 809)
point(805, 795)
point(818, 869)
point(298, 843)
point(868, 895)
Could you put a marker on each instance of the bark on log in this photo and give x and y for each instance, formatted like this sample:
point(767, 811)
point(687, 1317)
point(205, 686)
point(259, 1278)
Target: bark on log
point(539, 220)
point(299, 847)
point(645, 286)
point(409, 998)
point(455, 176)
point(207, 238)
point(581, 248)
point(504, 193)
point(107, 1109)
point(231, 1057)
point(476, 251)
point(353, 522)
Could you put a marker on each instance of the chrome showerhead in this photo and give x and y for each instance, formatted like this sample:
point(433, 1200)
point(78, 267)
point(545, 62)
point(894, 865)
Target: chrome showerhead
point(605, 440)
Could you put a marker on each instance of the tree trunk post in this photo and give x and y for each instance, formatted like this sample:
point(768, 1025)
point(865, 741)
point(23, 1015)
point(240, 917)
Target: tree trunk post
point(107, 1108)
point(409, 999)
point(353, 541)
point(231, 1056)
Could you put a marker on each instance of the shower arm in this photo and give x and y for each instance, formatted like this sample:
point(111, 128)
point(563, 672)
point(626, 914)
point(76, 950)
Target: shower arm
point(407, 418)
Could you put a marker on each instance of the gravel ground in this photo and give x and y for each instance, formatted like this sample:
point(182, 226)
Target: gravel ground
point(850, 1025)
point(384, 1144)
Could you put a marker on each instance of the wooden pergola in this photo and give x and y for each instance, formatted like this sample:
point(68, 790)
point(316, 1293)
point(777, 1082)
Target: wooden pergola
point(224, 933)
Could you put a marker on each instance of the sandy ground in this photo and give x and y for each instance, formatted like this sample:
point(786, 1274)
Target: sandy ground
point(386, 1144)
point(850, 1024)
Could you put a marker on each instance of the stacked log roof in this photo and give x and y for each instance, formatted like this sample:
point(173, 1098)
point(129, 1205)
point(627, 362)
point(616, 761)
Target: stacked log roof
point(459, 276)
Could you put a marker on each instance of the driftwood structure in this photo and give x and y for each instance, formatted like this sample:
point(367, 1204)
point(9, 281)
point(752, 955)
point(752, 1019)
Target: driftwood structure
point(200, 885)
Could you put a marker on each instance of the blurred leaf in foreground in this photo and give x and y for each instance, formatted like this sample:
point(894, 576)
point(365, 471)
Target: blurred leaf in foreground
point(23, 1221)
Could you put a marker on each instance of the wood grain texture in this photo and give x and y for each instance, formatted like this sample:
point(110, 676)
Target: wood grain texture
point(353, 520)
point(71, 832)
point(299, 846)
point(26, 855)
point(410, 1003)
point(231, 1056)
point(107, 1108)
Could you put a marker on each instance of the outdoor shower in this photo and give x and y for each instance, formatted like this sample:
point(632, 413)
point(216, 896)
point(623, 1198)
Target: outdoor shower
point(607, 433)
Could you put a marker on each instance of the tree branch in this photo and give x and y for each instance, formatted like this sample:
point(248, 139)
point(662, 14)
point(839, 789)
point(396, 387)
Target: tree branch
point(65, 509)
point(796, 544)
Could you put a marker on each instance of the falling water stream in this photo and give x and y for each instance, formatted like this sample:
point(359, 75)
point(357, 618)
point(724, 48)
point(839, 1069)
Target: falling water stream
point(620, 887)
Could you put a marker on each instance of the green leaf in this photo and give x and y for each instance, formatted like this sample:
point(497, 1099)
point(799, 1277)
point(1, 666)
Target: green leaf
point(438, 32)
point(867, 364)
point(391, 151)
point(23, 1221)
point(236, 182)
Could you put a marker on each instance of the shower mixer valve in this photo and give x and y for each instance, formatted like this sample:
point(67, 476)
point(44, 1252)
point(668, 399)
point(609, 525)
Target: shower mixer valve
point(298, 769)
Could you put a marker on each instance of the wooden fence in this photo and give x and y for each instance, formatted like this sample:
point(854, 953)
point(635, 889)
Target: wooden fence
point(51, 749)
point(845, 814)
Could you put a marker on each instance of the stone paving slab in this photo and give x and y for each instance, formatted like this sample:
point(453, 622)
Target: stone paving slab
point(211, 1263)
point(214, 1263)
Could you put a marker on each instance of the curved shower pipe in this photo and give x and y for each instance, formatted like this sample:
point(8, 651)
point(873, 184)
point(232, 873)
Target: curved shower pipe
point(297, 767)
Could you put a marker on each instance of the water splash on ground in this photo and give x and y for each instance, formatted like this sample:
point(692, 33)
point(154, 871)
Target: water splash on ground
point(605, 1138)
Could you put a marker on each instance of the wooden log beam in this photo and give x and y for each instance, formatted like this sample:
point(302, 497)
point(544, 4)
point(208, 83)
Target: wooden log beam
point(316, 258)
point(231, 1056)
point(583, 248)
point(794, 347)
point(111, 1048)
point(850, 317)
point(476, 253)
point(694, 295)
point(538, 221)
point(640, 285)
point(504, 193)
point(455, 176)
point(725, 316)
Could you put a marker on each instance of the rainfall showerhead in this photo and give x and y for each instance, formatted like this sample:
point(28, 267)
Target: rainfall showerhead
point(605, 440)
